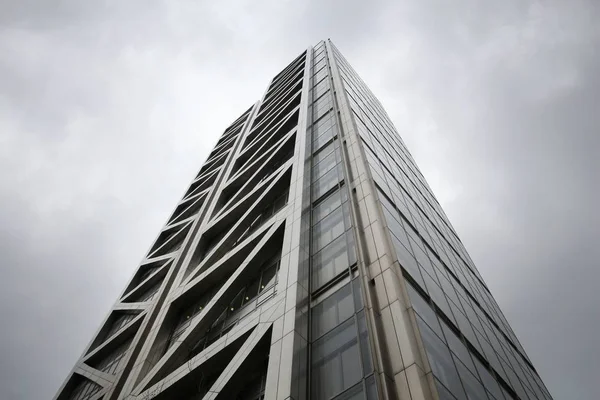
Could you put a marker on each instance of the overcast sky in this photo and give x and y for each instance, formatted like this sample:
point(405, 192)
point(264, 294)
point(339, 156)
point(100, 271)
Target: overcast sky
point(108, 109)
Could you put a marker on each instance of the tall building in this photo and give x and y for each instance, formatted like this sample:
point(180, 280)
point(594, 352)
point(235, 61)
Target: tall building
point(308, 259)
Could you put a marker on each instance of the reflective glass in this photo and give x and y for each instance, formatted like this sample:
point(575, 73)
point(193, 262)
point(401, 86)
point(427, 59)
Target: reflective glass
point(332, 311)
point(395, 226)
point(358, 302)
point(336, 362)
point(322, 153)
point(326, 182)
point(330, 262)
point(443, 393)
point(441, 361)
point(322, 73)
point(325, 164)
point(330, 203)
point(354, 393)
point(488, 380)
point(372, 389)
point(471, 384)
point(365, 347)
point(328, 229)
point(458, 347)
point(323, 138)
point(407, 261)
point(424, 310)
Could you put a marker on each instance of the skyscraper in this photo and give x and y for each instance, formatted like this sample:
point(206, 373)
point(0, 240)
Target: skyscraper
point(308, 259)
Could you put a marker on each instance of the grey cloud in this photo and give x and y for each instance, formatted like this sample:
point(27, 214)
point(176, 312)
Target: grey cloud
point(108, 108)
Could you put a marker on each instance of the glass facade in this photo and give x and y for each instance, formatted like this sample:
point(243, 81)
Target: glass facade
point(341, 363)
point(472, 350)
point(309, 260)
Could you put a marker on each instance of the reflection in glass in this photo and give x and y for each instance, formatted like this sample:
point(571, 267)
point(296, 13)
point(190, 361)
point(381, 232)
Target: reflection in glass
point(336, 362)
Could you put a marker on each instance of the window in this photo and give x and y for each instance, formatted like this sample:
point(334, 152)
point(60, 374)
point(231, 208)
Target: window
point(424, 310)
point(321, 87)
point(119, 322)
point(440, 360)
point(323, 131)
point(323, 162)
point(336, 362)
point(489, 382)
point(149, 294)
point(320, 64)
point(84, 390)
point(323, 105)
point(332, 260)
point(458, 348)
point(187, 315)
point(147, 272)
point(111, 363)
point(263, 216)
point(327, 182)
point(407, 261)
point(320, 74)
point(395, 226)
point(473, 387)
point(329, 204)
point(332, 311)
point(365, 347)
point(244, 302)
point(328, 229)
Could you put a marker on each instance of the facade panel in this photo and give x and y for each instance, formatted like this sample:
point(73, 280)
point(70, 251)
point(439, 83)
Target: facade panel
point(308, 259)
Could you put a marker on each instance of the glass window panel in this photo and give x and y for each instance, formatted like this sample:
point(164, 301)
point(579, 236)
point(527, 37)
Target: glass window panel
point(449, 290)
point(514, 380)
point(236, 303)
point(372, 389)
point(268, 277)
point(327, 163)
point(471, 384)
point(336, 362)
point(322, 73)
point(321, 87)
point(328, 229)
point(323, 109)
point(424, 310)
point(323, 99)
point(358, 302)
point(326, 206)
point(387, 203)
point(506, 394)
point(365, 347)
point(488, 380)
point(323, 138)
point(440, 360)
point(323, 153)
point(329, 262)
point(436, 294)
point(354, 393)
point(407, 261)
point(322, 125)
point(332, 311)
point(251, 291)
point(458, 348)
point(395, 226)
point(444, 394)
point(427, 267)
point(320, 64)
point(489, 353)
point(326, 182)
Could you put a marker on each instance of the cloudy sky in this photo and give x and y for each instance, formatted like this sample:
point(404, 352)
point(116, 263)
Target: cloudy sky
point(108, 108)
